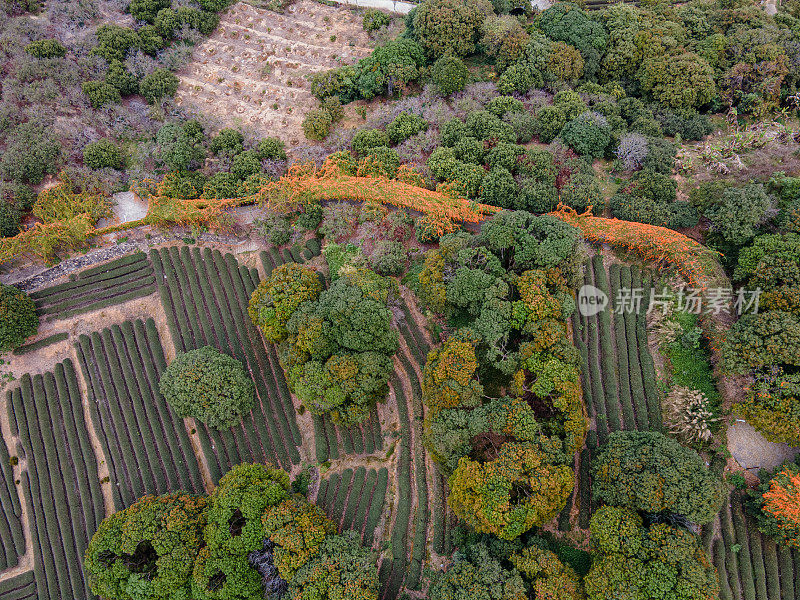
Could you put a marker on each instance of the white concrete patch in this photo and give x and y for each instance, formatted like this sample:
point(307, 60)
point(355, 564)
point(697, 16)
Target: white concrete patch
point(752, 450)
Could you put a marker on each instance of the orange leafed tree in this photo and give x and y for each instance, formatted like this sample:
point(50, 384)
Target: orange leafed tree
point(782, 502)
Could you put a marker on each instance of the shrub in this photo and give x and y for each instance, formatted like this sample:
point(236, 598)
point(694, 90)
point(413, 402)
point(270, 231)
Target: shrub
point(547, 574)
point(648, 472)
point(684, 81)
point(687, 123)
point(505, 104)
point(46, 49)
point(147, 550)
point(228, 142)
point(374, 19)
point(310, 218)
point(208, 385)
point(523, 124)
point(146, 10)
point(588, 134)
point(9, 219)
point(564, 62)
point(158, 84)
point(504, 39)
point(738, 212)
point(245, 164)
point(366, 139)
point(114, 42)
point(122, 79)
point(271, 148)
point(67, 200)
point(550, 120)
point(18, 319)
point(277, 298)
point(380, 161)
point(221, 185)
point(449, 74)
point(505, 156)
point(404, 126)
point(474, 573)
point(103, 154)
point(317, 124)
point(215, 5)
point(389, 258)
point(470, 150)
point(499, 188)
point(100, 93)
point(484, 125)
point(180, 146)
point(30, 153)
point(449, 26)
point(520, 77)
point(660, 155)
point(774, 504)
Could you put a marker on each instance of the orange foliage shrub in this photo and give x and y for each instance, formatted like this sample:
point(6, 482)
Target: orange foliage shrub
point(658, 245)
point(306, 184)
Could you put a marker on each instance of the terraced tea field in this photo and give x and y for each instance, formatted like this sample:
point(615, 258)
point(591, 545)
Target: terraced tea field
point(252, 70)
point(116, 439)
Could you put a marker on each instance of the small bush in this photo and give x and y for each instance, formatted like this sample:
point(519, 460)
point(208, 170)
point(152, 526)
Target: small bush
point(374, 19)
point(245, 164)
point(404, 126)
point(504, 104)
point(158, 84)
point(228, 142)
point(588, 134)
point(103, 154)
point(317, 124)
point(366, 139)
point(632, 151)
point(122, 79)
point(46, 49)
point(271, 148)
point(389, 258)
point(381, 161)
point(449, 74)
point(470, 150)
point(499, 188)
point(100, 93)
point(310, 218)
point(18, 319)
point(208, 385)
point(9, 219)
point(276, 228)
point(550, 120)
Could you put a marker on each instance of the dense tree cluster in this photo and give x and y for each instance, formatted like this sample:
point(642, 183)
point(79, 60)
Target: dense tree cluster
point(18, 318)
point(766, 346)
point(635, 560)
point(505, 291)
point(208, 385)
point(251, 538)
point(651, 473)
point(336, 343)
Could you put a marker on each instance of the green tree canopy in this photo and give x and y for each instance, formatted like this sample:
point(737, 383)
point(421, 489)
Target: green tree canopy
point(208, 385)
point(146, 552)
point(18, 318)
point(649, 472)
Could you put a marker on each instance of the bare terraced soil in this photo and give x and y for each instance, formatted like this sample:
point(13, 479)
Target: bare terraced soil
point(252, 70)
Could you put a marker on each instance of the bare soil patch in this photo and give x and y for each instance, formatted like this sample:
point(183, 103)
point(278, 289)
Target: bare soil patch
point(253, 70)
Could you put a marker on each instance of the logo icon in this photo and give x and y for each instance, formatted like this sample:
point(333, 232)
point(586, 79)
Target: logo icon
point(591, 300)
